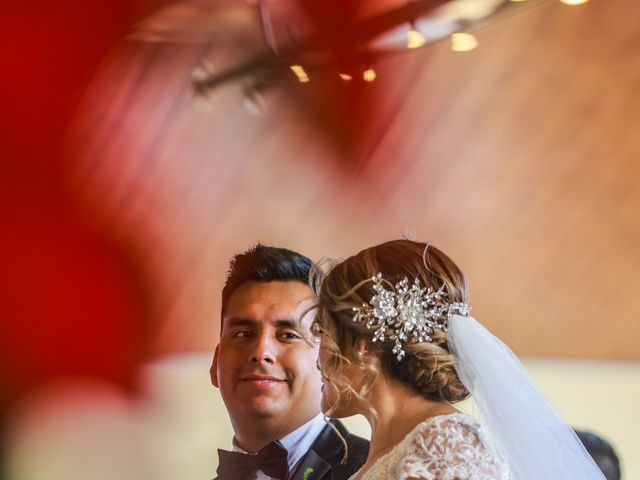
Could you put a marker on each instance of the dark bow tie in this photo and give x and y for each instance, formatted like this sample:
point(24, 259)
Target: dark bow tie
point(272, 460)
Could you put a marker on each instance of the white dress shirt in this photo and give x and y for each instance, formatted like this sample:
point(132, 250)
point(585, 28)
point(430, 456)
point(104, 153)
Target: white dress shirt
point(297, 444)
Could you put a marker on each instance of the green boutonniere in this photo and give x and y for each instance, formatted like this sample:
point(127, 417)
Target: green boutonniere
point(308, 471)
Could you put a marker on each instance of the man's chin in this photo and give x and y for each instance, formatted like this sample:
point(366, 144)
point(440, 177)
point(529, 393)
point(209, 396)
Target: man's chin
point(264, 408)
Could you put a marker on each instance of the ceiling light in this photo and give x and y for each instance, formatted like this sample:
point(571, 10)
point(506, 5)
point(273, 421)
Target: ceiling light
point(300, 73)
point(463, 42)
point(345, 76)
point(415, 39)
point(574, 2)
point(369, 75)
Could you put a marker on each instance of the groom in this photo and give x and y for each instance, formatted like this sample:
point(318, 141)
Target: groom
point(265, 367)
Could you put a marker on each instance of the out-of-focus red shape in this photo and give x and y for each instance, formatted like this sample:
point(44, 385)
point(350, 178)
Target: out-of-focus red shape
point(347, 112)
point(72, 299)
point(356, 114)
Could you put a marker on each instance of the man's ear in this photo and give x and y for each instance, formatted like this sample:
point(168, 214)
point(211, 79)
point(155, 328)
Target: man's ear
point(213, 371)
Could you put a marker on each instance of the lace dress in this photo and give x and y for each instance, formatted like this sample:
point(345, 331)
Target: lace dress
point(446, 447)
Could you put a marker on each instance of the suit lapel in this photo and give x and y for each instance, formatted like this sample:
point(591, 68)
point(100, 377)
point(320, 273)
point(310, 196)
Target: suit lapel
point(325, 452)
point(311, 467)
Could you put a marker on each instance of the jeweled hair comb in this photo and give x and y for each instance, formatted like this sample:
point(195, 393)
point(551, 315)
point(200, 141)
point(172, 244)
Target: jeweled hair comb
point(412, 313)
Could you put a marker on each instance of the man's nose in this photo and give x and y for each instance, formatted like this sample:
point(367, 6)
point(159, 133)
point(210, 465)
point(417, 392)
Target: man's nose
point(263, 350)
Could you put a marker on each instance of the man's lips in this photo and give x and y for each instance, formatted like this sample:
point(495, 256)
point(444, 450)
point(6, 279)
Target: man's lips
point(262, 381)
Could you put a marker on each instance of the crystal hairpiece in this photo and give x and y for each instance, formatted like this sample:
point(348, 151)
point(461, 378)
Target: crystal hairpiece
point(412, 313)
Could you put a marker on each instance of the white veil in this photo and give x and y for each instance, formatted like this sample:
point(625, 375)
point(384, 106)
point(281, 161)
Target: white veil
point(531, 434)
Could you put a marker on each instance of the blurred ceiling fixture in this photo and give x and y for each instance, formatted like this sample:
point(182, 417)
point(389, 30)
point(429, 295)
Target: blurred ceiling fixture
point(300, 73)
point(463, 42)
point(261, 41)
point(369, 75)
point(415, 39)
point(253, 101)
point(574, 2)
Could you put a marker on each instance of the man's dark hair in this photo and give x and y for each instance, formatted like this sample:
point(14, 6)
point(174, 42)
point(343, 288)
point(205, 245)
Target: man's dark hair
point(602, 453)
point(264, 264)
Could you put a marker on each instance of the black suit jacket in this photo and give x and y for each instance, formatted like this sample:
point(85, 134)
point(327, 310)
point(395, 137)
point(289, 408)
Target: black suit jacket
point(323, 461)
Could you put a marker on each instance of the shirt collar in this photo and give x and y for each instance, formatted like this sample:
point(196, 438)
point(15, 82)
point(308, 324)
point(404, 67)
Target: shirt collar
point(297, 442)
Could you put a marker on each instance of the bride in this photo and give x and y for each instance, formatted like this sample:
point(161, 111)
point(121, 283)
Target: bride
point(398, 346)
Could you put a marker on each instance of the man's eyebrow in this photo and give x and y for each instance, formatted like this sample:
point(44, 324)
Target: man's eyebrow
point(289, 323)
point(247, 322)
point(239, 322)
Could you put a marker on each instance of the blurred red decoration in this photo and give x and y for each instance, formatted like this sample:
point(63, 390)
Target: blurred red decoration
point(73, 301)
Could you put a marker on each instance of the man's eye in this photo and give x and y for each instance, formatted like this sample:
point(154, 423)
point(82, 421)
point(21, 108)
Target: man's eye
point(241, 334)
point(290, 335)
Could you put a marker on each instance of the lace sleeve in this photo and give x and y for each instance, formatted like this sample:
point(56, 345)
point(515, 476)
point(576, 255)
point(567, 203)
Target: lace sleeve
point(452, 447)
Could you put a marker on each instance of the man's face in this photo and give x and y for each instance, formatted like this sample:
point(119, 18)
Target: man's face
point(265, 365)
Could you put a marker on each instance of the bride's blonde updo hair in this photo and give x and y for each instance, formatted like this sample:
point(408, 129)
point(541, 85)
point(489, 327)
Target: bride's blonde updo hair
point(427, 367)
